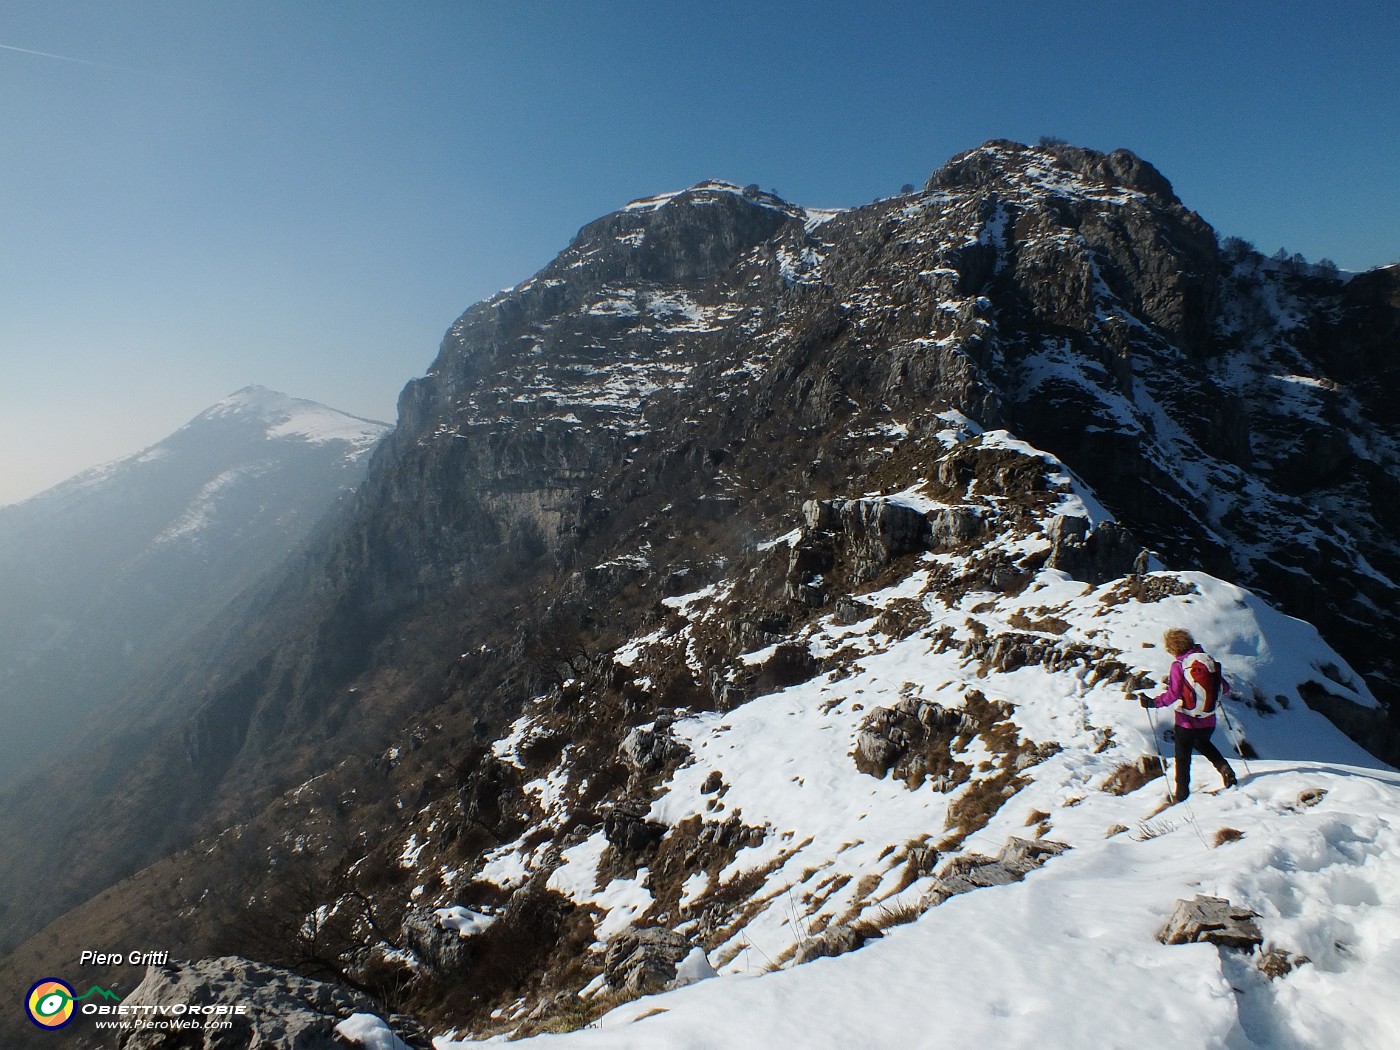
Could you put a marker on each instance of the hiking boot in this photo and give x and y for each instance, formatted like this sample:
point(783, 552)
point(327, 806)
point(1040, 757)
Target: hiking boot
point(1227, 775)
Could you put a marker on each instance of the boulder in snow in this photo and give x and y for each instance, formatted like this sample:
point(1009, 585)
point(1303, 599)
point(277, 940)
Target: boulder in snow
point(871, 532)
point(283, 1009)
point(954, 525)
point(1212, 919)
point(645, 961)
point(650, 750)
point(911, 737)
point(1096, 556)
point(443, 939)
point(1018, 858)
point(628, 830)
point(833, 941)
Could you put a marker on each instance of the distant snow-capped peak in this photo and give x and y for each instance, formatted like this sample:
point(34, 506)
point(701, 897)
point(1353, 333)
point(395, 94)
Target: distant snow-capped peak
point(293, 417)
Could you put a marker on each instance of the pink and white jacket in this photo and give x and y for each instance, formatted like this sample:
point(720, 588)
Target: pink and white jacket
point(1196, 686)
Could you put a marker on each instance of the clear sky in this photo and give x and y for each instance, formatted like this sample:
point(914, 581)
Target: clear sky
point(304, 194)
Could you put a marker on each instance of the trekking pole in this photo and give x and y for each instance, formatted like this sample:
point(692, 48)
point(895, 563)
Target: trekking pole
point(1230, 727)
point(1171, 792)
point(1151, 713)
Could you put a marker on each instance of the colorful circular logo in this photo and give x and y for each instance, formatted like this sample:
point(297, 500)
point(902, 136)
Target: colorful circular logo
point(50, 1003)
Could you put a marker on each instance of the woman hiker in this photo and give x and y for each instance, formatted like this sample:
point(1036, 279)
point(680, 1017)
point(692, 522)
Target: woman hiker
point(1196, 687)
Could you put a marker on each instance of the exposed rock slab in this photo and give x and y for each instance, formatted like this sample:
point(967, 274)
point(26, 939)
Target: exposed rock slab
point(282, 1009)
point(650, 750)
point(837, 940)
point(446, 952)
point(644, 961)
point(1212, 919)
point(1018, 858)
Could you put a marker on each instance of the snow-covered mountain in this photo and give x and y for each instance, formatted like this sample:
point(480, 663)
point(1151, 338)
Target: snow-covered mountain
point(111, 571)
point(755, 580)
point(943, 724)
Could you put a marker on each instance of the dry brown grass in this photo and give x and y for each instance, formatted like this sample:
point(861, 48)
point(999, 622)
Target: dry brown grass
point(1130, 776)
point(1045, 625)
point(975, 807)
point(693, 845)
point(1225, 835)
point(1151, 829)
point(885, 917)
point(901, 618)
point(578, 1013)
point(827, 889)
point(919, 859)
point(993, 720)
point(1274, 963)
point(740, 900)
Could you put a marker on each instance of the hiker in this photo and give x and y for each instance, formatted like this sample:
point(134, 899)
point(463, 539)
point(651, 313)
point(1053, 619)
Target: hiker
point(1195, 686)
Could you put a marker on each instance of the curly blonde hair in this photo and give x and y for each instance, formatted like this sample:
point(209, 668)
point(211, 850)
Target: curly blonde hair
point(1178, 640)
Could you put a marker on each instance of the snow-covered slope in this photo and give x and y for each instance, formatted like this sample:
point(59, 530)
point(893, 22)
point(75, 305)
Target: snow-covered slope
point(1037, 691)
point(108, 571)
point(1069, 957)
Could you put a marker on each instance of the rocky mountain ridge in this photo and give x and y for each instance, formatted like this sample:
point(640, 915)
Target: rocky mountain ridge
point(728, 462)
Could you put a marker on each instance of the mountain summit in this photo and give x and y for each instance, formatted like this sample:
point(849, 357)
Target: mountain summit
point(293, 419)
point(754, 580)
point(112, 571)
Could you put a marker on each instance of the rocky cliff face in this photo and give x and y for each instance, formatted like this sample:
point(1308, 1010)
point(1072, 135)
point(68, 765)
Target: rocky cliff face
point(1214, 403)
point(659, 476)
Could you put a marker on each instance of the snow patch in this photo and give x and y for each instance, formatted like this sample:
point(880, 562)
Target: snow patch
point(369, 1032)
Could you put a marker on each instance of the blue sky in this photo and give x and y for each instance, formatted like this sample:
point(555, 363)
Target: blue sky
point(306, 193)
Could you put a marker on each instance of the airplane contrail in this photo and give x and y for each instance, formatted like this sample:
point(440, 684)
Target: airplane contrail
point(64, 58)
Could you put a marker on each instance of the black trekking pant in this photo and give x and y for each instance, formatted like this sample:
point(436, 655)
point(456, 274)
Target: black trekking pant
point(1188, 740)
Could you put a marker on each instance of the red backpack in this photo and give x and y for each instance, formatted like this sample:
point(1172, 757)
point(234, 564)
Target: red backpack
point(1200, 677)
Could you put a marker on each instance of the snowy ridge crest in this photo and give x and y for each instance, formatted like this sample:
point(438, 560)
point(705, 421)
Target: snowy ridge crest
point(712, 189)
point(294, 417)
point(278, 416)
